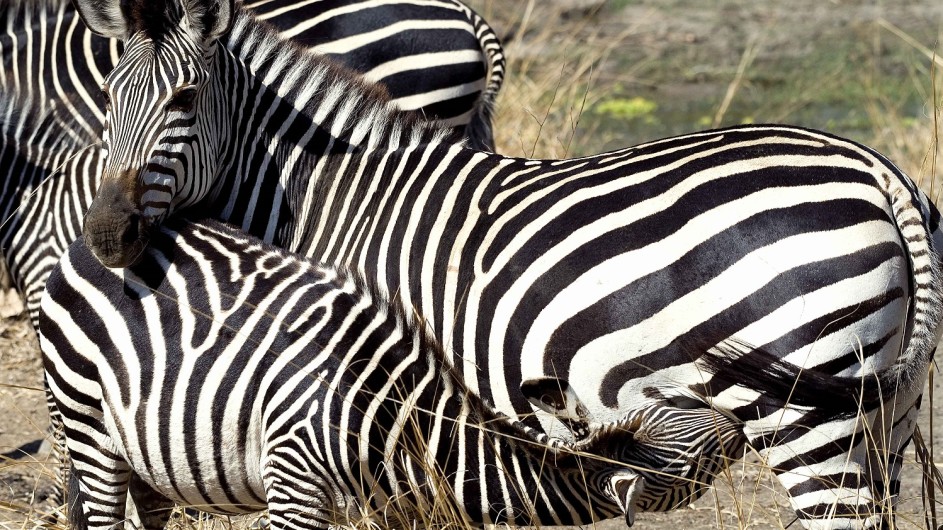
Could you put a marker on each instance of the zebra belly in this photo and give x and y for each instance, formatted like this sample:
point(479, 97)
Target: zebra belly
point(185, 462)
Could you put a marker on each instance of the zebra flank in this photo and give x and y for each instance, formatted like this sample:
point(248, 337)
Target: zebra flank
point(232, 376)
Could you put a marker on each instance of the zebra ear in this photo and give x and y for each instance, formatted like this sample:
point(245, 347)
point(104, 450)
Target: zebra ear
point(625, 487)
point(103, 17)
point(215, 17)
point(555, 396)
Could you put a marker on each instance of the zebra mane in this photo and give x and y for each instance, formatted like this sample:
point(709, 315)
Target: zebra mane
point(258, 45)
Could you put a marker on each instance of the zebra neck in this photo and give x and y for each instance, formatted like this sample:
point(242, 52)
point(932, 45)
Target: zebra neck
point(36, 145)
point(523, 481)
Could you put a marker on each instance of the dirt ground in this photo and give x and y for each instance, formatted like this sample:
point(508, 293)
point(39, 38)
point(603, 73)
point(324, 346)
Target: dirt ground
point(747, 497)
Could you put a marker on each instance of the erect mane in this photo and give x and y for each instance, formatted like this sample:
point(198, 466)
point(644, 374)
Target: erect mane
point(153, 17)
point(256, 43)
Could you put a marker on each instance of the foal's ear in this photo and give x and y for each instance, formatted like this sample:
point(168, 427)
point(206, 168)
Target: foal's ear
point(215, 17)
point(103, 17)
point(557, 397)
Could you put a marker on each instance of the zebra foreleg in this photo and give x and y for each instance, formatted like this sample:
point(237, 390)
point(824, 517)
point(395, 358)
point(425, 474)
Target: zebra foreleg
point(296, 499)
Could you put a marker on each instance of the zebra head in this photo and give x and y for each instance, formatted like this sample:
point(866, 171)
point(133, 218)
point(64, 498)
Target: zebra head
point(161, 122)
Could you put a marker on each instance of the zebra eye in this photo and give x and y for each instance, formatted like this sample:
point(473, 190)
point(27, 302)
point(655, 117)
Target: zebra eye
point(106, 97)
point(182, 99)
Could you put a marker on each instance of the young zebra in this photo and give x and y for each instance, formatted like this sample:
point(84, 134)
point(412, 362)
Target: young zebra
point(607, 271)
point(233, 376)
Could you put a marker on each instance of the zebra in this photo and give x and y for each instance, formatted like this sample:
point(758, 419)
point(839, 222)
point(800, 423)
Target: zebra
point(607, 271)
point(279, 383)
point(61, 159)
point(438, 58)
point(269, 381)
point(53, 67)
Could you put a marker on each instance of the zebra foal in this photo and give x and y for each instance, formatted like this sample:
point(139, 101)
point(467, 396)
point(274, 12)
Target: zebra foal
point(232, 376)
point(607, 271)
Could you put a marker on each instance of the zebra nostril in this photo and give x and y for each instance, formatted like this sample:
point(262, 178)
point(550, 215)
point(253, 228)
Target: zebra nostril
point(131, 232)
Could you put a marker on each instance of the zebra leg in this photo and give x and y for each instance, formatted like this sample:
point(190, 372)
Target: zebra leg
point(103, 478)
point(60, 459)
point(295, 498)
point(843, 473)
point(146, 508)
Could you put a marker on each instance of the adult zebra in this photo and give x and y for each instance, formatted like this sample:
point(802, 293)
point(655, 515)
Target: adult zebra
point(271, 382)
point(53, 67)
point(436, 57)
point(607, 271)
point(55, 157)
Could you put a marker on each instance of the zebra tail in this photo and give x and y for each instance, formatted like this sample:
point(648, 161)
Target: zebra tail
point(479, 130)
point(913, 214)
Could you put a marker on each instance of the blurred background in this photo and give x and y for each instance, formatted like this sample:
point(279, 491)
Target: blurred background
point(591, 75)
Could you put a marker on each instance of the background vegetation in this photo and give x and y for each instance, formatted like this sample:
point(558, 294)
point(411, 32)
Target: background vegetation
point(591, 75)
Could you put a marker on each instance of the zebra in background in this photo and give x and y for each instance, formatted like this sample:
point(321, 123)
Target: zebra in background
point(271, 382)
point(422, 53)
point(607, 271)
point(436, 57)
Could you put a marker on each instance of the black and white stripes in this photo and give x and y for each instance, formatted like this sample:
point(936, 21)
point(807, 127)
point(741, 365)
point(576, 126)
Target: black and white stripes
point(608, 271)
point(233, 376)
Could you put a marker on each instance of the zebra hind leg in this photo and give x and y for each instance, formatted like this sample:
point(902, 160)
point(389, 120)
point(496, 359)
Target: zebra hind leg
point(146, 508)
